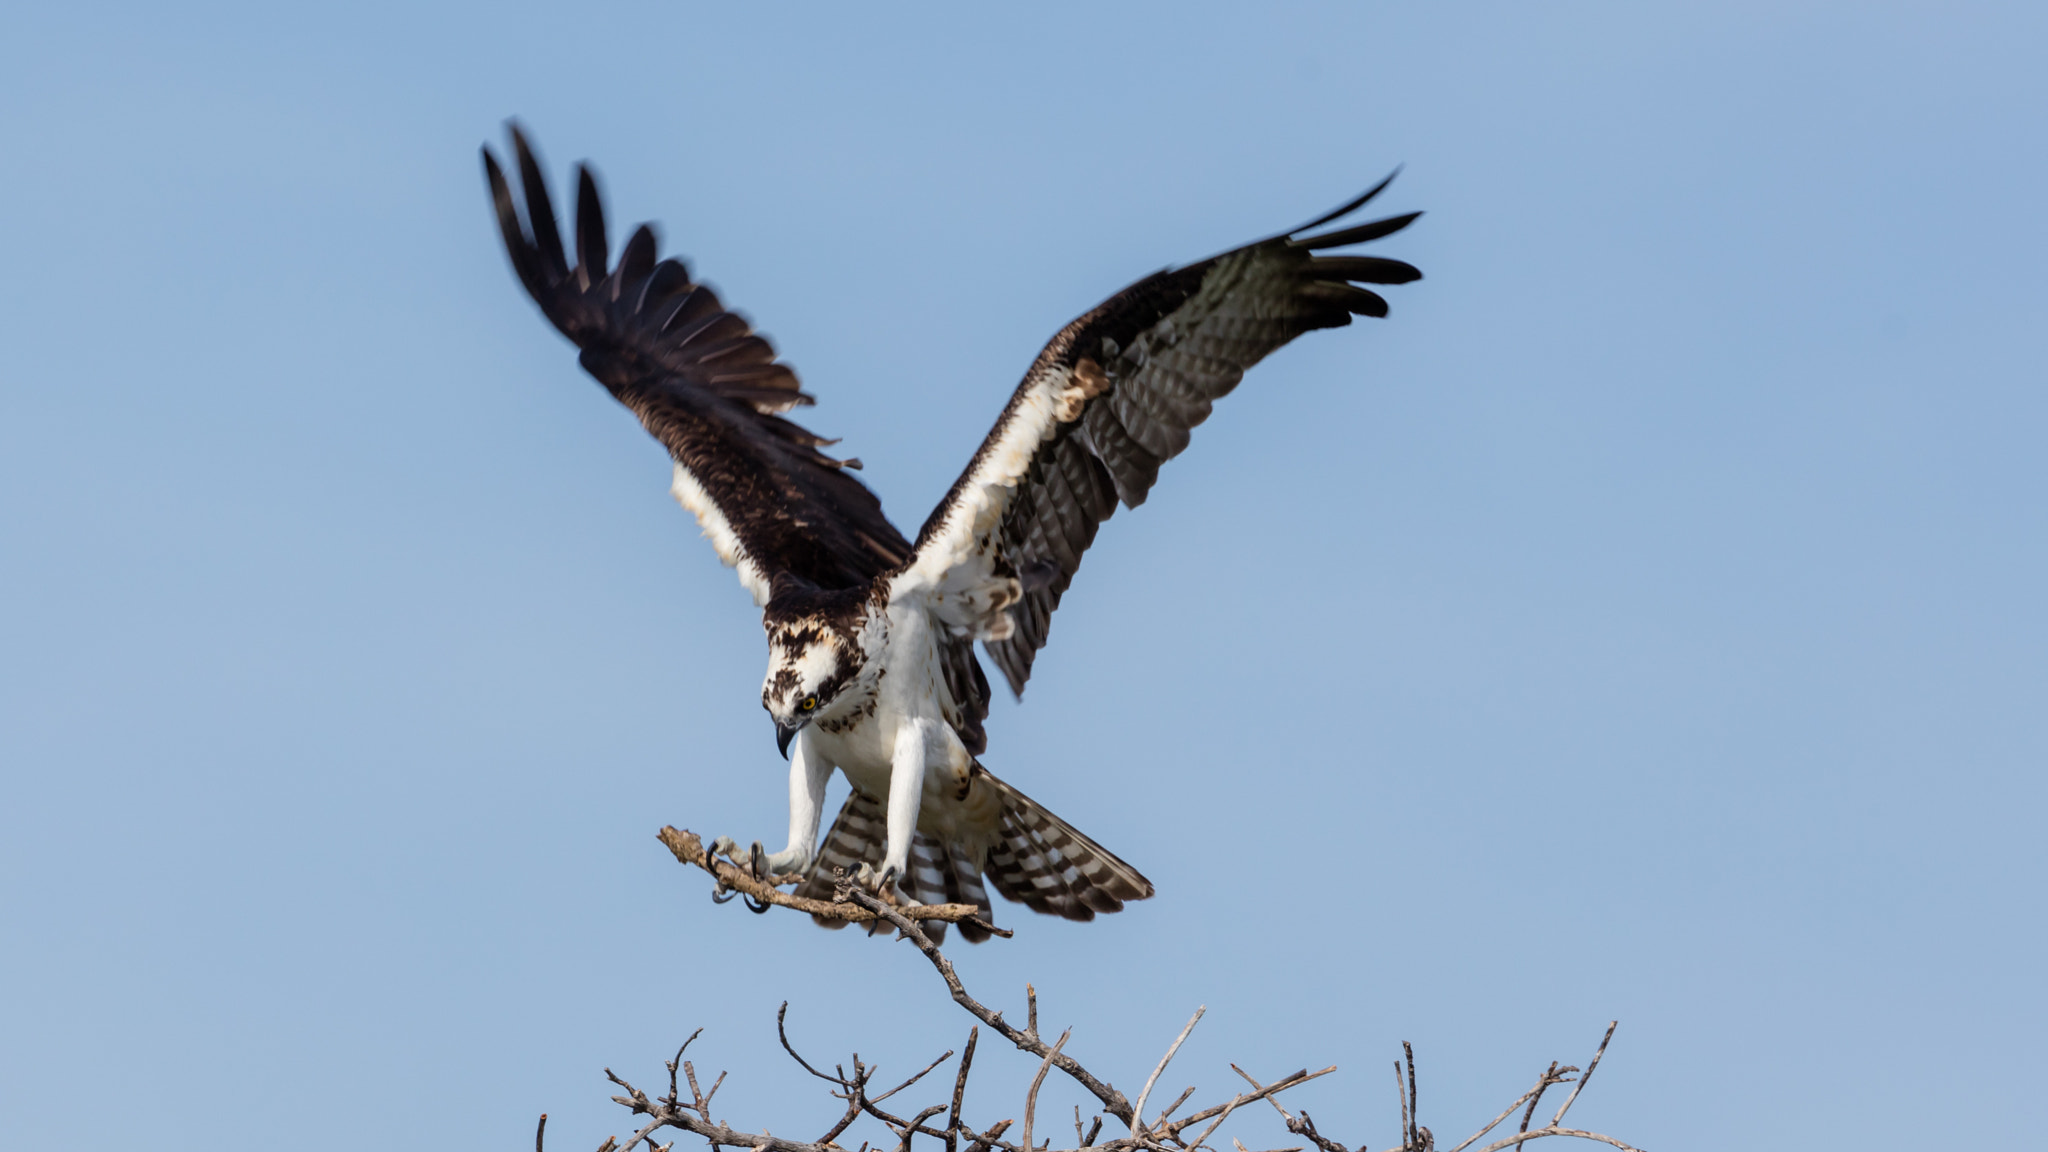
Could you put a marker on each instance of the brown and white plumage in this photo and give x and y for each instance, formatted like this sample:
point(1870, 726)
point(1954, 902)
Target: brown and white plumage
point(1117, 393)
point(872, 670)
point(1035, 859)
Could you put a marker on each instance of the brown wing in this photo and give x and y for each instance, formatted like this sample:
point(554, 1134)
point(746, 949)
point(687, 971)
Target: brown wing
point(1116, 394)
point(705, 385)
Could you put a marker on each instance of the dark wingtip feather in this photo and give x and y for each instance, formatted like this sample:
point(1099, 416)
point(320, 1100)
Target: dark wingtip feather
point(1351, 206)
point(1371, 230)
point(1364, 302)
point(540, 210)
point(494, 176)
point(636, 261)
point(517, 246)
point(501, 200)
point(593, 250)
point(1364, 269)
point(1367, 303)
point(1351, 298)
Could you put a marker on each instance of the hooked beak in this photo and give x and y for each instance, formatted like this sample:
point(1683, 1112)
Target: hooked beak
point(783, 736)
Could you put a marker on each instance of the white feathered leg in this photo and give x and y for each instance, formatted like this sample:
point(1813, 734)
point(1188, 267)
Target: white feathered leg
point(906, 791)
point(808, 772)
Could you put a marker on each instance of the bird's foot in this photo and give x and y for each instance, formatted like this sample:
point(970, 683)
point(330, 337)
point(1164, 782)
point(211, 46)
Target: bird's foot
point(787, 866)
point(880, 881)
point(776, 868)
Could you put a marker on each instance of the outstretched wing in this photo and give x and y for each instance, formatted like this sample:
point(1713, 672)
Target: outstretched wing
point(706, 386)
point(1114, 395)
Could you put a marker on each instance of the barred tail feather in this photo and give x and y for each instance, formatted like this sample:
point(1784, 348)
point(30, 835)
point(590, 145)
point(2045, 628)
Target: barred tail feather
point(1037, 859)
point(1044, 863)
point(859, 835)
point(943, 874)
point(939, 874)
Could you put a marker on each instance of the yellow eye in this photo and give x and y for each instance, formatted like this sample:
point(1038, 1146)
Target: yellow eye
point(810, 704)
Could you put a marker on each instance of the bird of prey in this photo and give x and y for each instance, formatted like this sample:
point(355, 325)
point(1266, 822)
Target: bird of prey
point(871, 663)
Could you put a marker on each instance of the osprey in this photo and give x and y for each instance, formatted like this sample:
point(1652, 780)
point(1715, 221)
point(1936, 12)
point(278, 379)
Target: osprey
point(871, 664)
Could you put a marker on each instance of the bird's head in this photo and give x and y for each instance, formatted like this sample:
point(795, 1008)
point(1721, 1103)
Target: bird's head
point(810, 665)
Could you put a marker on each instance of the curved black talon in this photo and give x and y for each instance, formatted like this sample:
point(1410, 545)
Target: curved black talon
point(759, 869)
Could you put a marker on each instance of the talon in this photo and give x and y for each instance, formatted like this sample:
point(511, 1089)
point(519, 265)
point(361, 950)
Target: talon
point(723, 846)
point(757, 861)
point(876, 880)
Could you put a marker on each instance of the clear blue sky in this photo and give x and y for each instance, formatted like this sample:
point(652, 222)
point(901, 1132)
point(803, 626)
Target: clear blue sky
point(1646, 621)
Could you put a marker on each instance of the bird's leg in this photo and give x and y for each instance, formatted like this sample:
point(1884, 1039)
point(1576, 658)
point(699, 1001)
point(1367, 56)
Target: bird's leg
point(808, 773)
point(906, 791)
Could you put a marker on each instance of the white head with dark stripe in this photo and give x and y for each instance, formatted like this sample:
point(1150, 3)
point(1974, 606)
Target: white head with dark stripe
point(814, 656)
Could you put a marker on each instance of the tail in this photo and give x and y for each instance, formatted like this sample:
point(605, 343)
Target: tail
point(1044, 863)
point(1036, 859)
point(939, 873)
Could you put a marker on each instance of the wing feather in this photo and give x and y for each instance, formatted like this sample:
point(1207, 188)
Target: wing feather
point(705, 385)
point(1131, 467)
point(1116, 394)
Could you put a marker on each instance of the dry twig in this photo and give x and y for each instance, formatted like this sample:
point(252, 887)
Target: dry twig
point(1190, 1133)
point(1038, 1081)
point(689, 849)
point(1138, 1113)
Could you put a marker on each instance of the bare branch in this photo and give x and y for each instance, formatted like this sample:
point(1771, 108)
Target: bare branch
point(1414, 1107)
point(1538, 1134)
point(1177, 1102)
point(1113, 1101)
point(914, 1079)
point(899, 1124)
point(917, 1123)
point(1307, 1127)
point(643, 1134)
point(1031, 1097)
point(854, 1088)
point(852, 1114)
point(1161, 1133)
point(1402, 1091)
point(688, 849)
point(1214, 1125)
point(1138, 1114)
point(1548, 1078)
point(783, 1035)
point(1267, 1094)
point(990, 1138)
point(1586, 1075)
point(959, 1090)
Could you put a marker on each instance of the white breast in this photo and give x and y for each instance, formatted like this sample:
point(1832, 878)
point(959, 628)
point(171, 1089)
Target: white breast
point(909, 691)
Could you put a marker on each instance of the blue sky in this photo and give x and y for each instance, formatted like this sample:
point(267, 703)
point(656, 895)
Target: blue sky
point(1644, 622)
